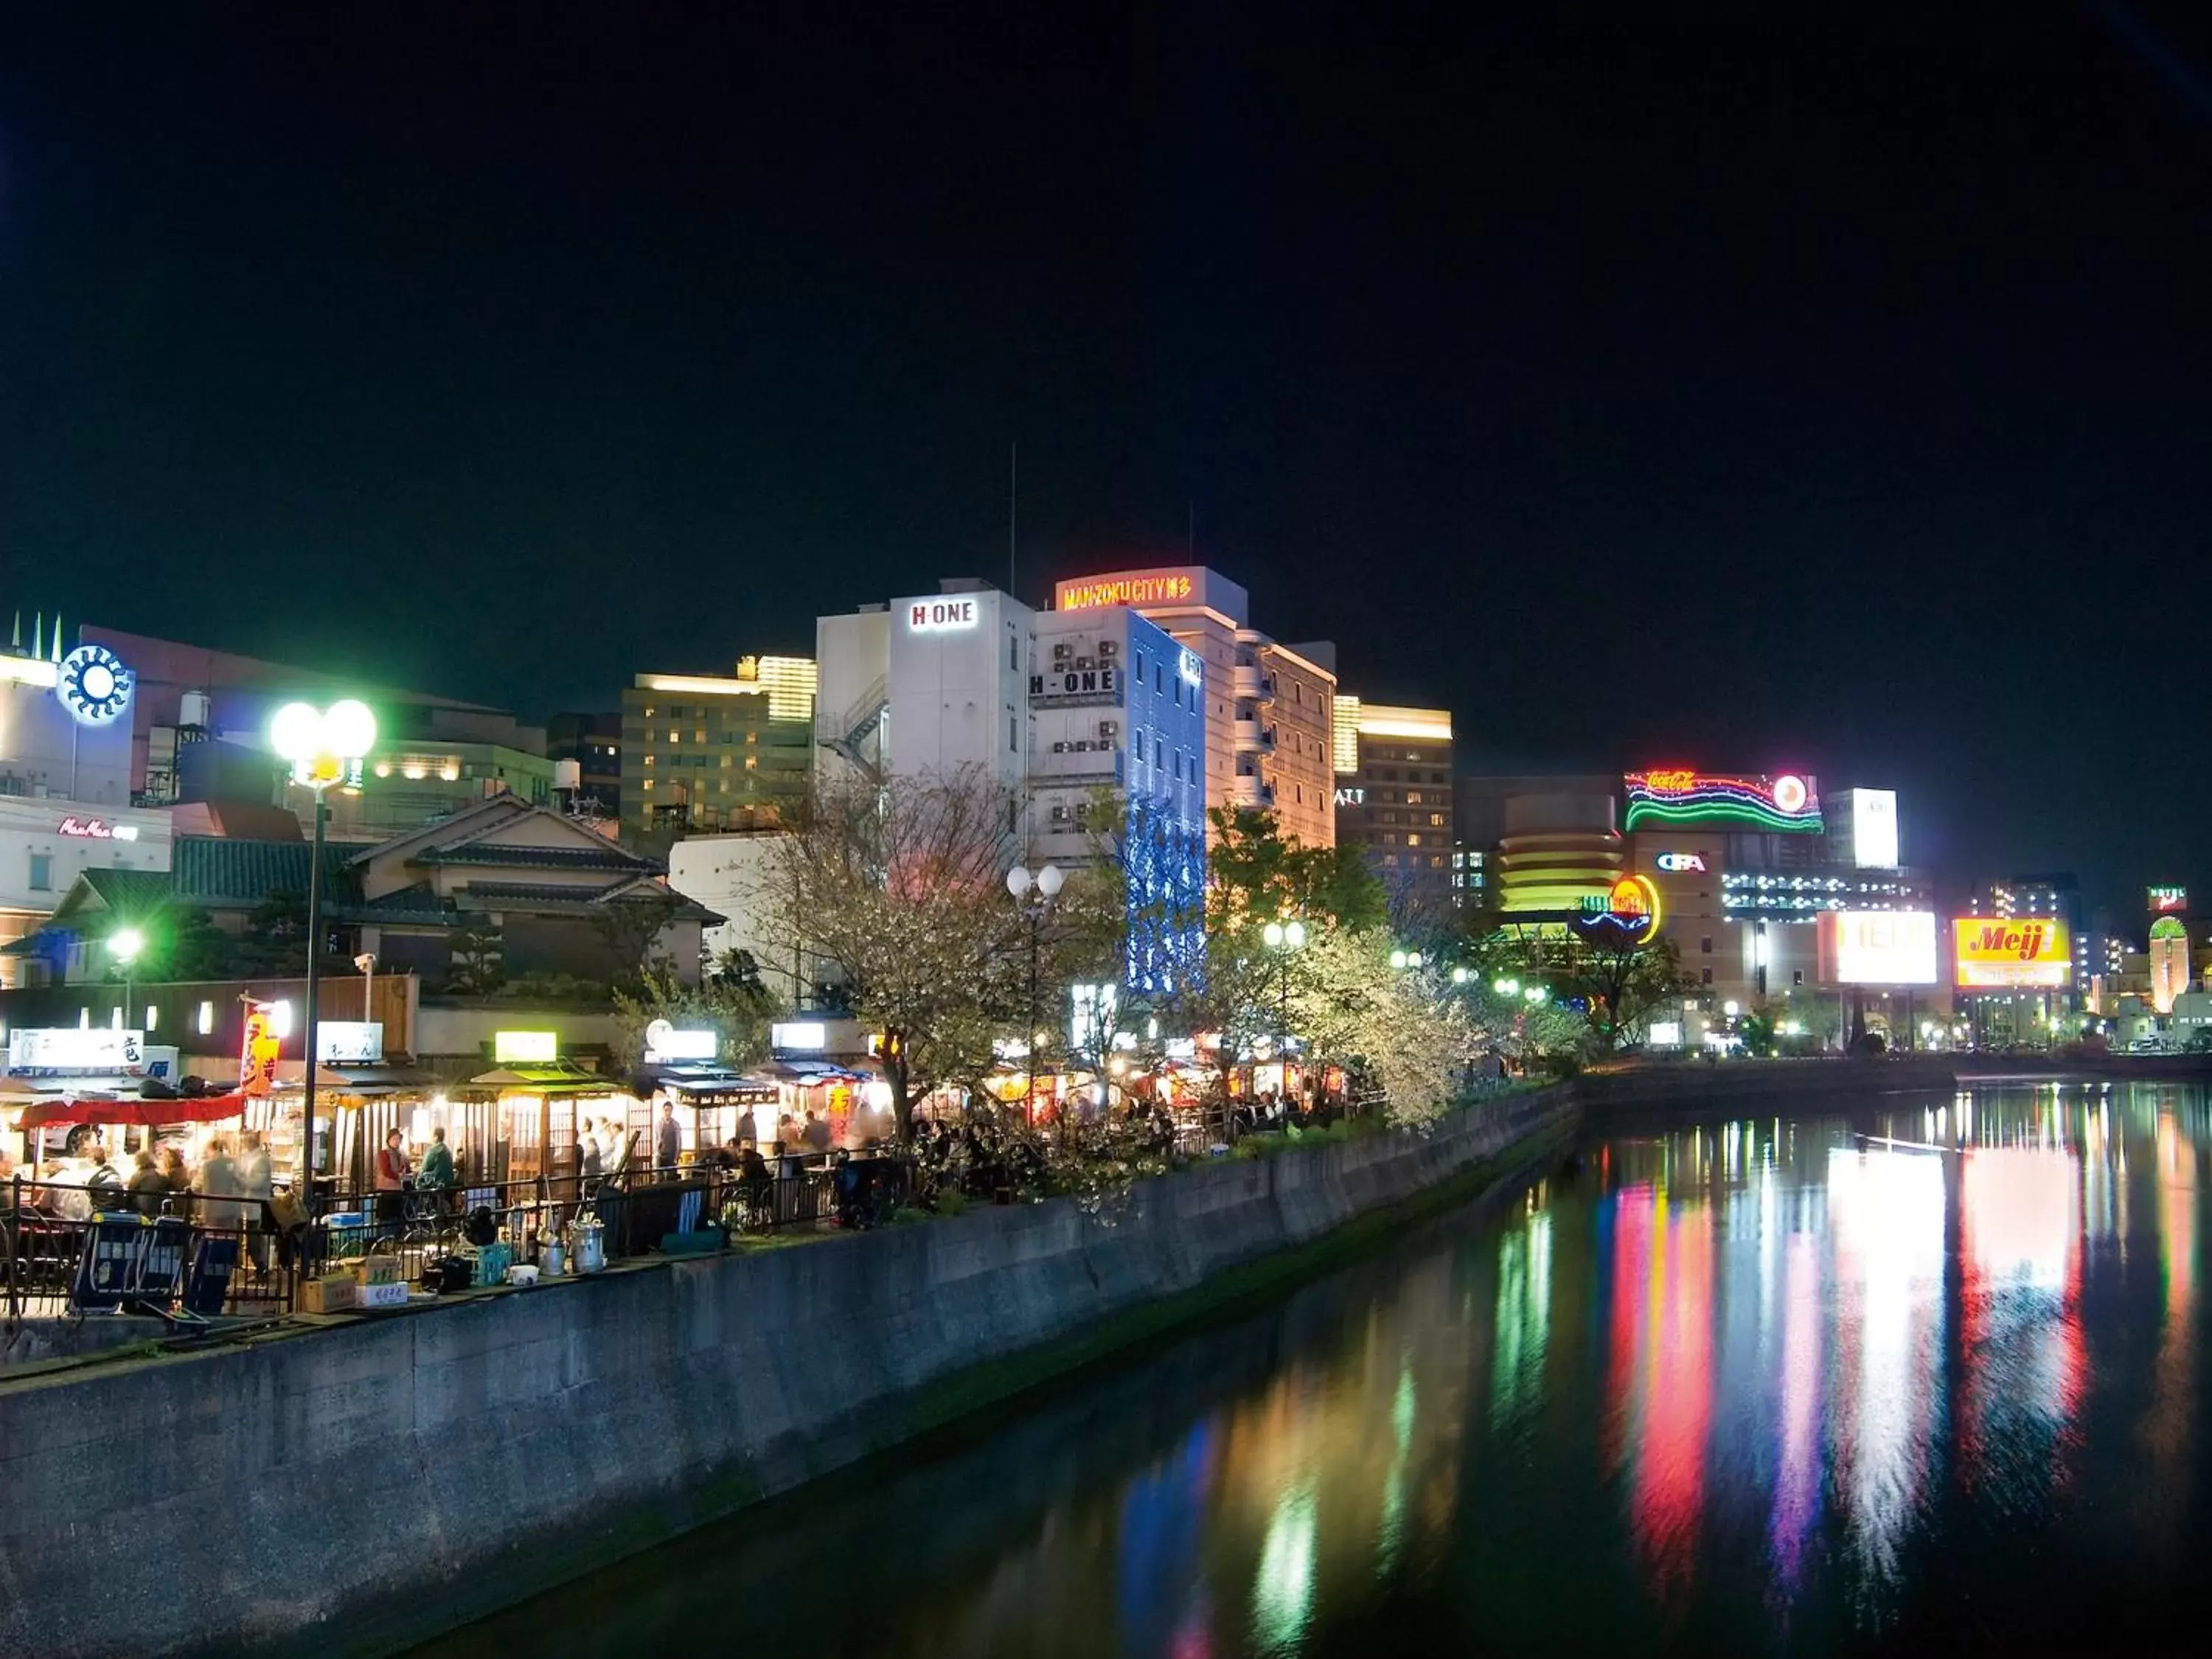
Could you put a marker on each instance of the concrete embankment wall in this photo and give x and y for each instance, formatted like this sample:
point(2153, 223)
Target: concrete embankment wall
point(351, 1488)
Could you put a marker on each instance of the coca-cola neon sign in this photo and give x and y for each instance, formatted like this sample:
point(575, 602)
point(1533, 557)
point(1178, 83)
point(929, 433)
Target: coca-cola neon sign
point(95, 830)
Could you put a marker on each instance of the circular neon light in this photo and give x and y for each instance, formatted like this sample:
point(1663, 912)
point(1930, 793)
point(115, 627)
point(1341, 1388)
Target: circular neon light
point(1790, 792)
point(94, 685)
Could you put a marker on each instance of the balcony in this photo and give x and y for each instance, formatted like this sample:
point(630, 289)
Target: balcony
point(1253, 739)
point(1252, 683)
point(1247, 789)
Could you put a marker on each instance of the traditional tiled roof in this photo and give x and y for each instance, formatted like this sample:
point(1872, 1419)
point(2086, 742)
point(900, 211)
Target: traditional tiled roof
point(607, 857)
point(130, 893)
point(214, 870)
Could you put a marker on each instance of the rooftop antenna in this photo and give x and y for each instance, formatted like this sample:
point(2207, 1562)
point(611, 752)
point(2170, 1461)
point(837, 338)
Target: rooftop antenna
point(1013, 509)
point(1190, 536)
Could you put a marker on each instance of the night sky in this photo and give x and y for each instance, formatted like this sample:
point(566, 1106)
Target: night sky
point(1818, 387)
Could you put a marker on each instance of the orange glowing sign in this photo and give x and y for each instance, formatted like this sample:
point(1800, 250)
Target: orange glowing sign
point(2010, 953)
point(256, 1059)
point(1152, 587)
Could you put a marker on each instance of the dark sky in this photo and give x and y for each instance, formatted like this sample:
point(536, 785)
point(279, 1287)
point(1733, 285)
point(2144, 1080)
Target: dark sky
point(1820, 387)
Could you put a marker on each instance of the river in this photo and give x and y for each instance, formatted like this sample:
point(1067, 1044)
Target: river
point(1759, 1385)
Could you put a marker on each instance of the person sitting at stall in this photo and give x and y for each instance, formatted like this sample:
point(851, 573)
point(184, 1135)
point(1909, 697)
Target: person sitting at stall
point(726, 1156)
point(147, 1187)
point(169, 1159)
point(816, 1135)
point(590, 1158)
point(103, 1186)
point(391, 1175)
point(752, 1168)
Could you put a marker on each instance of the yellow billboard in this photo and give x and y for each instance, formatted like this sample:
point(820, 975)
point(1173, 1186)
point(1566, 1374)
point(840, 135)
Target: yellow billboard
point(2010, 953)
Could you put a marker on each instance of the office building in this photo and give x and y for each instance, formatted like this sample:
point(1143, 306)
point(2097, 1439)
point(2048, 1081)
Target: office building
point(703, 751)
point(1393, 797)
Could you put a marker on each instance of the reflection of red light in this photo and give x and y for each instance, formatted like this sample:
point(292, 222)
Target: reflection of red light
point(1669, 1490)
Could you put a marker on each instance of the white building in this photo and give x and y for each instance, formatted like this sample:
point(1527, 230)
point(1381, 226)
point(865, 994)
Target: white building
point(65, 781)
point(1068, 711)
point(732, 875)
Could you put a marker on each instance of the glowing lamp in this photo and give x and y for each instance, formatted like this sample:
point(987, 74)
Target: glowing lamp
point(324, 745)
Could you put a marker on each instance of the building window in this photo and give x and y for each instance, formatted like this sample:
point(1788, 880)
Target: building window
point(42, 872)
point(1013, 747)
point(726, 762)
point(1705, 946)
point(648, 783)
point(207, 1019)
point(1436, 820)
point(648, 760)
point(1013, 650)
point(1797, 976)
point(1389, 862)
point(1412, 798)
point(1411, 841)
point(1705, 977)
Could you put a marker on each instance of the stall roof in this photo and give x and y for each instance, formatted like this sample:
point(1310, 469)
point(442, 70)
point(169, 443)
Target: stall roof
point(708, 1081)
point(562, 1077)
point(185, 1108)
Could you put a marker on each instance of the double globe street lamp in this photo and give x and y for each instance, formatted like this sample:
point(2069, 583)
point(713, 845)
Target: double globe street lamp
point(1034, 890)
point(324, 747)
point(1286, 939)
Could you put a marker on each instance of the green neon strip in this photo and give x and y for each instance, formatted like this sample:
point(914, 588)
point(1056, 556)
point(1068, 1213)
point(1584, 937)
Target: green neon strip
point(1805, 823)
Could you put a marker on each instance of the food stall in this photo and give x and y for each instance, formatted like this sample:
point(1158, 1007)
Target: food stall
point(713, 1105)
point(535, 1108)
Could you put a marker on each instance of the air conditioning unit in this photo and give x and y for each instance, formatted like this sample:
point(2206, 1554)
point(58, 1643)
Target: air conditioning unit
point(1062, 649)
point(1082, 810)
point(1060, 749)
point(1107, 649)
point(1059, 814)
point(1081, 745)
point(1110, 728)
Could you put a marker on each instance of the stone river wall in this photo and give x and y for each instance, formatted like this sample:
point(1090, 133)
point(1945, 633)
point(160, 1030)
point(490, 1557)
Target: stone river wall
point(354, 1487)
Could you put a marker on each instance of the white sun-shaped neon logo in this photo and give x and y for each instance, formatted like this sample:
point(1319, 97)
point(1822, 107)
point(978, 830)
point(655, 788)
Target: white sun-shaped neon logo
point(94, 685)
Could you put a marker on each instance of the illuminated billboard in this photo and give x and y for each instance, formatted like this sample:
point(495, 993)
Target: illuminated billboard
point(1876, 947)
point(1670, 797)
point(1874, 828)
point(2010, 953)
point(2167, 901)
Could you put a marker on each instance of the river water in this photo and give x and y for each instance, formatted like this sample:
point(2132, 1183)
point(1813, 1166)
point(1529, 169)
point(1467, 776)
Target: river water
point(1756, 1385)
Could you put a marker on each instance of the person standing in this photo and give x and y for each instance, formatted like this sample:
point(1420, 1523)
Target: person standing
point(171, 1163)
point(255, 1186)
point(669, 1148)
point(391, 1175)
point(437, 1177)
point(220, 1186)
point(816, 1135)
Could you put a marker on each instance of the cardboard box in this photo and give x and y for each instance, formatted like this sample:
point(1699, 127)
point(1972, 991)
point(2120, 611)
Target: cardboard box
point(331, 1293)
point(390, 1294)
point(376, 1270)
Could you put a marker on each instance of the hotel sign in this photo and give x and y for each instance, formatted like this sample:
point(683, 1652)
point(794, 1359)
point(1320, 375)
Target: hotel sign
point(1077, 686)
point(942, 615)
point(95, 830)
point(1151, 588)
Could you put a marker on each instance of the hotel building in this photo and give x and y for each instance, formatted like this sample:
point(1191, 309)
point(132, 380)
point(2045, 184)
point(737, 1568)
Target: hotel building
point(1393, 797)
point(703, 751)
point(1270, 725)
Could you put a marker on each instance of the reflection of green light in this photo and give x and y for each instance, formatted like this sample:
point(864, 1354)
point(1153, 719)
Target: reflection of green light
point(1523, 1321)
point(1402, 1408)
point(1282, 1594)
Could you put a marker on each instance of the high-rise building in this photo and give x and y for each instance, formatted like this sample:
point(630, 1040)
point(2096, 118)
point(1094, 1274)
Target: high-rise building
point(708, 752)
point(1393, 797)
point(1270, 731)
point(1094, 720)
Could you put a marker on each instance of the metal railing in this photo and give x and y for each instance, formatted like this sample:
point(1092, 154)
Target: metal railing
point(235, 1262)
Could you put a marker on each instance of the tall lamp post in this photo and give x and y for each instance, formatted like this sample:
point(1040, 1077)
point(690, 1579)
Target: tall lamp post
point(1284, 938)
point(1033, 891)
point(324, 747)
point(125, 944)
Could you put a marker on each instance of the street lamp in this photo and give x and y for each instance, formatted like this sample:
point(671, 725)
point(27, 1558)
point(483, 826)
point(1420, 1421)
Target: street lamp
point(1284, 938)
point(324, 747)
point(1045, 884)
point(125, 944)
point(1506, 987)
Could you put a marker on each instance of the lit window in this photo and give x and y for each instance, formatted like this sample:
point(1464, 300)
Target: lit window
point(648, 760)
point(207, 1019)
point(699, 735)
point(648, 783)
point(1414, 840)
point(675, 736)
point(752, 762)
point(153, 1016)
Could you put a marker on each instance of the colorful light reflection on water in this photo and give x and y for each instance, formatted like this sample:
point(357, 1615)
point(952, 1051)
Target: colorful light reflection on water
point(1925, 1374)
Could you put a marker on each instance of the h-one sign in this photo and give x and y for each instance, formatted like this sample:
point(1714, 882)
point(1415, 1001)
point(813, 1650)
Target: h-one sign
point(942, 615)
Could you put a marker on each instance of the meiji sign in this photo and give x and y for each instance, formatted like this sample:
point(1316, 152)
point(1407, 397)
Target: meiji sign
point(941, 616)
point(2010, 953)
